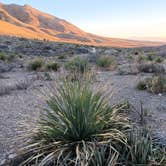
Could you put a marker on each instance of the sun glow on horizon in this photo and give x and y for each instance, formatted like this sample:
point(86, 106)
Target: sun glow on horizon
point(138, 19)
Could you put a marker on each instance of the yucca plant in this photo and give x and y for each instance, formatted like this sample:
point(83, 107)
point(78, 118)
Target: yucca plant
point(78, 128)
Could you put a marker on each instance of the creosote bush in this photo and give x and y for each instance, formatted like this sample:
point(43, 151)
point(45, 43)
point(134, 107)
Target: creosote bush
point(156, 84)
point(159, 60)
point(3, 56)
point(52, 66)
point(7, 57)
point(151, 68)
point(36, 64)
point(106, 62)
point(141, 85)
point(149, 58)
point(77, 64)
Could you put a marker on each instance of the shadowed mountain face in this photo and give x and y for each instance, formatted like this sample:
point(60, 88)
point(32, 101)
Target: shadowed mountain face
point(25, 21)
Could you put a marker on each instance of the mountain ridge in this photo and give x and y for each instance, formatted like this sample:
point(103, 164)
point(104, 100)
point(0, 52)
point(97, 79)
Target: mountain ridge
point(26, 21)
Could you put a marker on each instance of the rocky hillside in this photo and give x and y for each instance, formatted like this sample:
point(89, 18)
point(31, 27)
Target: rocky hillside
point(25, 21)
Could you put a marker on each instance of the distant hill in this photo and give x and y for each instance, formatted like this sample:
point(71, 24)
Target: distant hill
point(25, 21)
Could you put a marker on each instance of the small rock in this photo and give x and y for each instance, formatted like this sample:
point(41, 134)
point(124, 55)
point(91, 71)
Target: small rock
point(12, 156)
point(2, 162)
point(5, 67)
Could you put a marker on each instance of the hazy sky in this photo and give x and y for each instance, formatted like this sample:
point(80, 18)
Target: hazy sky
point(114, 18)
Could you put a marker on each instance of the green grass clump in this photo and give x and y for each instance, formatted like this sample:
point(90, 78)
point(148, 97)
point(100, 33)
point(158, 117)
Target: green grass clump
point(35, 65)
point(105, 62)
point(47, 77)
point(156, 84)
point(77, 64)
point(3, 56)
point(52, 66)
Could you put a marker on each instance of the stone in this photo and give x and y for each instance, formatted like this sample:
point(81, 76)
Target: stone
point(12, 156)
point(5, 67)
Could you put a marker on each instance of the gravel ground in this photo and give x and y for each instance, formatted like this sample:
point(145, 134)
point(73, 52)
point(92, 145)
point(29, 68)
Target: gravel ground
point(20, 109)
point(124, 88)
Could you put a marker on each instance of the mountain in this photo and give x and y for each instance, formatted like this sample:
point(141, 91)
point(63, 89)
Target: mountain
point(25, 21)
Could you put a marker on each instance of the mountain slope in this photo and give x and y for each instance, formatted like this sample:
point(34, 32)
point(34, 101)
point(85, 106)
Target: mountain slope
point(25, 21)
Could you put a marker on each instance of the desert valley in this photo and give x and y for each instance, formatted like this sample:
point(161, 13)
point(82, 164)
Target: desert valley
point(68, 97)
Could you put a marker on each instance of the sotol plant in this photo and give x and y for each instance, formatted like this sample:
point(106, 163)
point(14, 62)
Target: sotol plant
point(78, 128)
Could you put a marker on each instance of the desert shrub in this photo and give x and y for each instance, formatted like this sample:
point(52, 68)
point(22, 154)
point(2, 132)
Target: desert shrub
point(62, 56)
point(141, 58)
point(47, 77)
point(77, 64)
point(52, 66)
point(141, 85)
point(130, 56)
point(128, 69)
point(158, 60)
point(36, 64)
point(156, 84)
point(150, 57)
point(151, 68)
point(105, 62)
point(136, 53)
point(77, 76)
point(78, 128)
point(3, 56)
point(7, 57)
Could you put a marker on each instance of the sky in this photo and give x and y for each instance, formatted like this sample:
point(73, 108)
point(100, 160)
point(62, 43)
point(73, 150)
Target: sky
point(139, 19)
